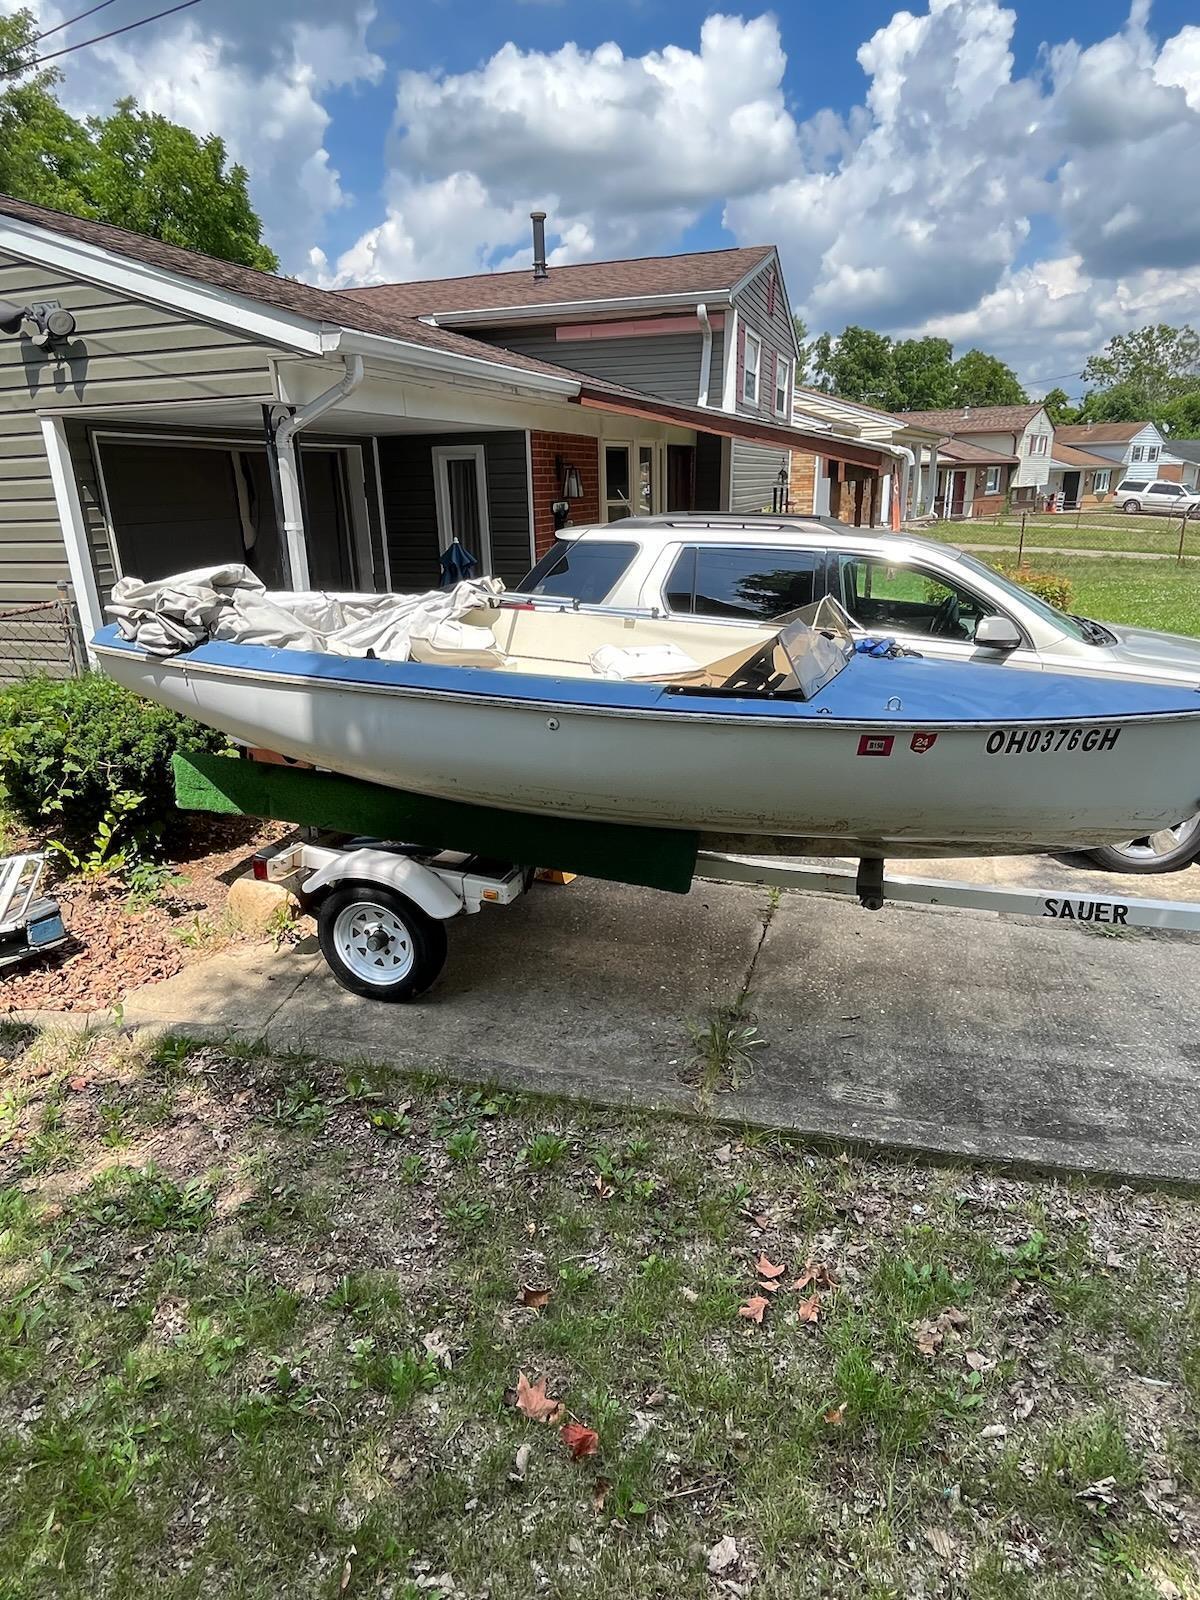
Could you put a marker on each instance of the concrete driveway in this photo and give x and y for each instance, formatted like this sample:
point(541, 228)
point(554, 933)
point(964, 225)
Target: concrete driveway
point(946, 1031)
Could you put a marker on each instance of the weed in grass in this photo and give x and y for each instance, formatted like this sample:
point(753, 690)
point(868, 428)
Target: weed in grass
point(51, 1146)
point(465, 1145)
point(146, 1200)
point(412, 1171)
point(300, 1106)
point(392, 1123)
point(399, 1374)
point(467, 1217)
point(545, 1150)
point(216, 1351)
point(723, 1047)
point(113, 1132)
point(201, 933)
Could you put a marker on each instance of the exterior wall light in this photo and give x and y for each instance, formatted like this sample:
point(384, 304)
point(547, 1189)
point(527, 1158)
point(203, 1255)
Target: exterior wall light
point(54, 325)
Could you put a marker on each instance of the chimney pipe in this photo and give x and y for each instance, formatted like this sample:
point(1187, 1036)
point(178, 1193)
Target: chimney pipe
point(538, 218)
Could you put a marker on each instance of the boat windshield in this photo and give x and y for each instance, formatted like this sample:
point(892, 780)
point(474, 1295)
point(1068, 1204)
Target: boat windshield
point(807, 653)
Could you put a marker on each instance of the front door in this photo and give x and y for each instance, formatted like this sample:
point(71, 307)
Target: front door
point(681, 477)
point(958, 493)
point(1070, 489)
point(460, 492)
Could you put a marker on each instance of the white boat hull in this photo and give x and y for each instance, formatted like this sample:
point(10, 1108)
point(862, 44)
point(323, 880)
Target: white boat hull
point(972, 788)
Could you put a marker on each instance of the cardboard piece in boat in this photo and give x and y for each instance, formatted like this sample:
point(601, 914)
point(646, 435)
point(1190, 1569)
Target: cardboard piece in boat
point(657, 858)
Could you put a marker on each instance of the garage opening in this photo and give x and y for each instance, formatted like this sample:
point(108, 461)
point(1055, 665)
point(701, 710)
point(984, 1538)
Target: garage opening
point(173, 505)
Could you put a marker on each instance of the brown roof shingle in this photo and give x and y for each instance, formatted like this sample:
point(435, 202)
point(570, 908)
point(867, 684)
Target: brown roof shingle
point(1068, 456)
point(1100, 432)
point(701, 271)
point(977, 419)
point(961, 450)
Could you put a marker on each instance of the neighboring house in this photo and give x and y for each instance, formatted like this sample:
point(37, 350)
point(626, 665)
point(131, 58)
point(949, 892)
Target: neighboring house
point(711, 329)
point(1082, 478)
point(1009, 456)
point(822, 486)
point(163, 431)
point(1187, 453)
point(1138, 450)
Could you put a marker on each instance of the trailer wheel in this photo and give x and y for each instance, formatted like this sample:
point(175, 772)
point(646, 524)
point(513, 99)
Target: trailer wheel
point(378, 943)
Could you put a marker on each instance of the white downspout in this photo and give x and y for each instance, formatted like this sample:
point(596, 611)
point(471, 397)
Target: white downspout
point(705, 353)
point(286, 430)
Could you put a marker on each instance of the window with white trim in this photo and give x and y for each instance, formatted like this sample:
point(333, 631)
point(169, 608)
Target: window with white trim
point(1102, 480)
point(993, 481)
point(751, 362)
point(782, 373)
point(1152, 452)
point(1137, 452)
point(1038, 443)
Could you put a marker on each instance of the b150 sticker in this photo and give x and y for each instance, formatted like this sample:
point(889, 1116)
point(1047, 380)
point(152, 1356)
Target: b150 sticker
point(1050, 741)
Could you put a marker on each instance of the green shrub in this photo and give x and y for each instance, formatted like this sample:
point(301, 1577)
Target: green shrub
point(69, 748)
point(1048, 586)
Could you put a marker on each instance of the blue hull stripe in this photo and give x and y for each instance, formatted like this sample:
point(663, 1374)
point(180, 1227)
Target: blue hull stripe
point(929, 692)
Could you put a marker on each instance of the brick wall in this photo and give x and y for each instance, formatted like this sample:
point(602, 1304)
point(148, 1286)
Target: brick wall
point(576, 451)
point(802, 482)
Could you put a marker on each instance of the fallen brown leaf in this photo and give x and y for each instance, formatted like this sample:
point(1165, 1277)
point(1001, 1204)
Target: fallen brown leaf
point(940, 1542)
point(817, 1274)
point(520, 1465)
point(723, 1555)
point(835, 1416)
point(537, 1405)
point(754, 1308)
point(537, 1298)
point(347, 1569)
point(809, 1310)
point(77, 1085)
point(601, 1490)
point(579, 1440)
point(766, 1268)
point(768, 1288)
point(602, 1187)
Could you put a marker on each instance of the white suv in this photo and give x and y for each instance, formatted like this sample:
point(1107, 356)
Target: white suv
point(1162, 497)
point(936, 598)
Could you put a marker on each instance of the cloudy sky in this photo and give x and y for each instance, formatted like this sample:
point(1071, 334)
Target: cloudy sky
point(1021, 177)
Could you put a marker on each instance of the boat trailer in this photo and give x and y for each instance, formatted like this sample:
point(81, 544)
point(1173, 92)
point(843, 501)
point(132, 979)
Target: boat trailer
point(30, 922)
point(382, 907)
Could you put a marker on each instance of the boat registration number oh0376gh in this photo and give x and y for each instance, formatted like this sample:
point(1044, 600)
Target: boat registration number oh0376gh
point(1050, 741)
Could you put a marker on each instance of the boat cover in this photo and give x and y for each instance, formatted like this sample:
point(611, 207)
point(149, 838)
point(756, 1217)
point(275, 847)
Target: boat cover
point(231, 603)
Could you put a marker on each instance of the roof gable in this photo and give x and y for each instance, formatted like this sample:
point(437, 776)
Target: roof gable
point(642, 278)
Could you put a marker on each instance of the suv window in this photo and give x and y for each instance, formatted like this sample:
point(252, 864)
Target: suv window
point(1165, 488)
point(756, 585)
point(579, 569)
point(910, 600)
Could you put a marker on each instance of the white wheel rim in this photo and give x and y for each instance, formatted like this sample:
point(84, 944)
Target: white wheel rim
point(1153, 846)
point(374, 943)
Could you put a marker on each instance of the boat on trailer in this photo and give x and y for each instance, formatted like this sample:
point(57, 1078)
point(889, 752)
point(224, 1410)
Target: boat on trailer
point(788, 740)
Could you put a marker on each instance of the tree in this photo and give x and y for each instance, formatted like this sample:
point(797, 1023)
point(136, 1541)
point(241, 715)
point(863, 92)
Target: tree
point(858, 366)
point(1181, 416)
point(806, 350)
point(1059, 408)
point(922, 375)
point(1156, 363)
point(1124, 402)
point(132, 168)
point(983, 380)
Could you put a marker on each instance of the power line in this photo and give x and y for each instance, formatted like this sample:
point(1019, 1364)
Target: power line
point(71, 21)
point(98, 39)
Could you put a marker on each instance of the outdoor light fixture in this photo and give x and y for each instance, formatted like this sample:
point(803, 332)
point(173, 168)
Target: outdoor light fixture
point(568, 476)
point(52, 323)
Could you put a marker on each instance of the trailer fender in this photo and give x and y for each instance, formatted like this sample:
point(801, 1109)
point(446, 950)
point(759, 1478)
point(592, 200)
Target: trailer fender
point(423, 886)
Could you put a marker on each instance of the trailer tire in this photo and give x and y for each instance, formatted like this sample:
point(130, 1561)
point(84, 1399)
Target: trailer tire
point(378, 943)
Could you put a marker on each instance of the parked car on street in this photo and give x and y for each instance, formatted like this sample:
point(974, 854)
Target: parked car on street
point(1161, 498)
point(934, 597)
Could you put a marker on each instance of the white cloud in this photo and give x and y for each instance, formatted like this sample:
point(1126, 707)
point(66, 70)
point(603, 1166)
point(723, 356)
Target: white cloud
point(235, 71)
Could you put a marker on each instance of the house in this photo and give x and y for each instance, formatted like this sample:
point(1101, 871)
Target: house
point(993, 454)
point(1079, 478)
point(711, 329)
point(820, 485)
point(161, 410)
point(1137, 450)
point(1187, 453)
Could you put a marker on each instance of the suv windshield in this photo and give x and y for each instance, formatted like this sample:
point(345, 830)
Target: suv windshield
point(579, 569)
point(1048, 613)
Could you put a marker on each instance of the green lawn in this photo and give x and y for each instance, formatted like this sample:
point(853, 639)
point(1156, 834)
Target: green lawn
point(1144, 594)
point(1110, 531)
point(263, 1320)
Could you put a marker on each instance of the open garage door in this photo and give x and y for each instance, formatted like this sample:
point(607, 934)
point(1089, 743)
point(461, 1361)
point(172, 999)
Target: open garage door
point(174, 505)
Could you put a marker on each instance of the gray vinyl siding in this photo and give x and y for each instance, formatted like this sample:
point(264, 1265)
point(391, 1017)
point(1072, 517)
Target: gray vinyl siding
point(755, 474)
point(667, 365)
point(124, 352)
point(775, 331)
point(410, 508)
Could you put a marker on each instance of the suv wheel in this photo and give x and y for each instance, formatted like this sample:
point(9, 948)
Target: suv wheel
point(1168, 850)
point(1131, 505)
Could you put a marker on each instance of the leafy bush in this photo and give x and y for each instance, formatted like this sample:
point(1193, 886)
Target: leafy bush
point(1048, 586)
point(73, 751)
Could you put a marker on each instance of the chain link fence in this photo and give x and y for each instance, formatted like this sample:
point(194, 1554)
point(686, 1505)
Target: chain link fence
point(43, 637)
point(1037, 535)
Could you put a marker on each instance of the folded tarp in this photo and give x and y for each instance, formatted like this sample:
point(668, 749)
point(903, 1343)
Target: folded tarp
point(231, 603)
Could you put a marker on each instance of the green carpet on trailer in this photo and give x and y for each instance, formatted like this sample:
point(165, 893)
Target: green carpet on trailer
point(658, 858)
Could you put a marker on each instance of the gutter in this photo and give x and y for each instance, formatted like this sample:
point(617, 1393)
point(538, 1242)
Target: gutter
point(705, 352)
point(283, 426)
point(497, 316)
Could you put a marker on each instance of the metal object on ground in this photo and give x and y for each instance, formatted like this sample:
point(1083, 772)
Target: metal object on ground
point(30, 923)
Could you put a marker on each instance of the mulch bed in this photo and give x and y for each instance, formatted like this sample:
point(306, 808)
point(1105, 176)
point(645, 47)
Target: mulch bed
point(114, 948)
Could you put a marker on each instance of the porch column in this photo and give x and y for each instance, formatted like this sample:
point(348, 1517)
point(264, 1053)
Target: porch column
point(74, 527)
point(931, 487)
